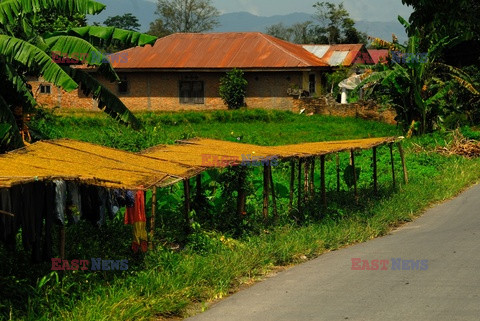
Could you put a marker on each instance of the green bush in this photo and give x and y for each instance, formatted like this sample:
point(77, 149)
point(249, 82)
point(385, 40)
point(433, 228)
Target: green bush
point(233, 89)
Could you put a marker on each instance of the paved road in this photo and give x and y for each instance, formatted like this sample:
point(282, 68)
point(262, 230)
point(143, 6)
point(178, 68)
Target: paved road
point(327, 288)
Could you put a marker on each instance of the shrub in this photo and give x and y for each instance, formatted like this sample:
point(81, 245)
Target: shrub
point(233, 89)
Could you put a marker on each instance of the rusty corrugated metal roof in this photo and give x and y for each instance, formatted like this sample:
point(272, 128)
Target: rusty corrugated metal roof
point(336, 55)
point(246, 50)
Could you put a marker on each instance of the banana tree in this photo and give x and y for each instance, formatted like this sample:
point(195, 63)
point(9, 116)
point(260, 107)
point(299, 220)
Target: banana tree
point(415, 83)
point(24, 52)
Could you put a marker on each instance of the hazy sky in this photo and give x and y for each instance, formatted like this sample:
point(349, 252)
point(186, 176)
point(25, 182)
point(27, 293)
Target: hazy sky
point(370, 10)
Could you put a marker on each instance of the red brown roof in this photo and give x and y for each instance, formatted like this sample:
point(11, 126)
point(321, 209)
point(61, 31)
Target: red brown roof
point(246, 50)
point(378, 55)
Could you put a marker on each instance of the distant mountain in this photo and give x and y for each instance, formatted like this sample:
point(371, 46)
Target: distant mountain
point(244, 21)
point(240, 21)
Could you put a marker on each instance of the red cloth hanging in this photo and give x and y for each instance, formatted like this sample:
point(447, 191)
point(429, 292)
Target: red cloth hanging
point(135, 215)
point(137, 212)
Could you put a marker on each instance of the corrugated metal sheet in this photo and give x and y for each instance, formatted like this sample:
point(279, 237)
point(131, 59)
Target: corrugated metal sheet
point(337, 58)
point(317, 50)
point(336, 55)
point(219, 51)
point(354, 50)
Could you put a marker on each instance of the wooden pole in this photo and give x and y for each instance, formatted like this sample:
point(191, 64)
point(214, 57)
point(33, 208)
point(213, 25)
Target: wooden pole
point(61, 244)
point(375, 176)
point(352, 158)
point(242, 193)
point(393, 165)
point(306, 173)
point(338, 172)
point(292, 184)
point(404, 165)
point(312, 177)
point(322, 180)
point(274, 198)
point(266, 181)
point(152, 217)
point(299, 205)
point(186, 192)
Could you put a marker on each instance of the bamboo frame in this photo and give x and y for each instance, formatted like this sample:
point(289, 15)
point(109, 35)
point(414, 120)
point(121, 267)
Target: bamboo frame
point(242, 194)
point(152, 217)
point(404, 165)
point(299, 204)
point(274, 197)
point(338, 172)
point(266, 192)
point(306, 174)
point(312, 177)
point(375, 174)
point(352, 159)
point(292, 184)
point(322, 180)
point(393, 165)
point(186, 191)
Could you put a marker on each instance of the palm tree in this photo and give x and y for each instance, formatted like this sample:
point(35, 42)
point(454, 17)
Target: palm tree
point(25, 52)
point(414, 83)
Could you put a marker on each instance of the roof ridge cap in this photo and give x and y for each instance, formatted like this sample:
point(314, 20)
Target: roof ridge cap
point(283, 49)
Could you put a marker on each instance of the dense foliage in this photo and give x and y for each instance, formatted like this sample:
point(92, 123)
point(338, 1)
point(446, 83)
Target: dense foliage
point(417, 85)
point(452, 18)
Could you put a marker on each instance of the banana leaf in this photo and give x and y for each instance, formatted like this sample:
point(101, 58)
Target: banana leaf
point(34, 59)
point(10, 10)
point(107, 35)
point(81, 51)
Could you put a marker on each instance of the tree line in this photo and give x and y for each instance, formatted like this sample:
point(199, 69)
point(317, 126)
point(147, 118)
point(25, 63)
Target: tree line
point(331, 23)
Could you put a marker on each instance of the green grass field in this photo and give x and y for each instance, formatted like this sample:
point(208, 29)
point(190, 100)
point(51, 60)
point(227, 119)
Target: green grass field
point(224, 251)
point(260, 127)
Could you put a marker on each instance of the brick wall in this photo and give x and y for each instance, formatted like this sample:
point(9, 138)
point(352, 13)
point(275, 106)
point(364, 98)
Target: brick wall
point(160, 91)
point(326, 105)
point(59, 97)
